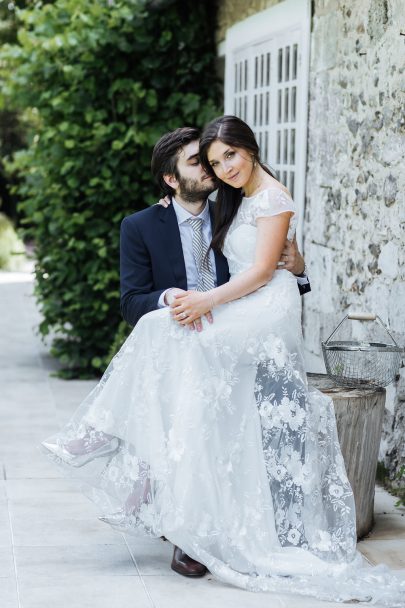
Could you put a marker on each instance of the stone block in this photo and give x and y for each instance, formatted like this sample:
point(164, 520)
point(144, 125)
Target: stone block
point(377, 18)
point(401, 385)
point(311, 333)
point(376, 299)
point(388, 260)
point(392, 150)
point(323, 277)
point(390, 190)
point(396, 310)
point(324, 49)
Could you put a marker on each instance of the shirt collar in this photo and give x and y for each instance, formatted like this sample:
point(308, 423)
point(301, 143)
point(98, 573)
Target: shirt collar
point(183, 215)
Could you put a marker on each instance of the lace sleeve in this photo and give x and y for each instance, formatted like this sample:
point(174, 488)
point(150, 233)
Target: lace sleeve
point(272, 201)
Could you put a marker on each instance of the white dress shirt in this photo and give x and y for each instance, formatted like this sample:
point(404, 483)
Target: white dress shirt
point(304, 280)
point(186, 236)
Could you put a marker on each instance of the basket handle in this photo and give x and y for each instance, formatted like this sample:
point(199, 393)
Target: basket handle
point(335, 330)
point(361, 316)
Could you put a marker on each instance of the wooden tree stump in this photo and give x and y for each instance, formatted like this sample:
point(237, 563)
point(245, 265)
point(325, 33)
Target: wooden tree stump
point(359, 417)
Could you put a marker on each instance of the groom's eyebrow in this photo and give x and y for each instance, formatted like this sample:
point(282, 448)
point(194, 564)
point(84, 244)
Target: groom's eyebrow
point(193, 157)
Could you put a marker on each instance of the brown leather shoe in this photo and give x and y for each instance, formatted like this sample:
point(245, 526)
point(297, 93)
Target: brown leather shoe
point(185, 565)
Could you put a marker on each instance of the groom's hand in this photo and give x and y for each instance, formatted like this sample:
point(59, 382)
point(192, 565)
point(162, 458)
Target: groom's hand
point(291, 259)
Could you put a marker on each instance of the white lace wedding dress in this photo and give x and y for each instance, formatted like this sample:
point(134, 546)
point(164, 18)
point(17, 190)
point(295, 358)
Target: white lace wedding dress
point(215, 441)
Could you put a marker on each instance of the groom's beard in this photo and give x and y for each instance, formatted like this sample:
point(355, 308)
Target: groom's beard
point(193, 190)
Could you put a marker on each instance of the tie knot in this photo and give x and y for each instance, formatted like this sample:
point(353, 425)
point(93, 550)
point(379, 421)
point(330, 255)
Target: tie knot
point(196, 222)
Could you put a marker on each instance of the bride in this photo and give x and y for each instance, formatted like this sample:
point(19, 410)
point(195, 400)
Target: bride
point(213, 439)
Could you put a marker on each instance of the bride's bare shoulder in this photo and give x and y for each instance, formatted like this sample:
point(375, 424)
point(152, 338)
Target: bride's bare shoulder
point(272, 182)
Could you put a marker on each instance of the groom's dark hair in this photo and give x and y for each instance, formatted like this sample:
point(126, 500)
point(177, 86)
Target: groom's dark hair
point(166, 153)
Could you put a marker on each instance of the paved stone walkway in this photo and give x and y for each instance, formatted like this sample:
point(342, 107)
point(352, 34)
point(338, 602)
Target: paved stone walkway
point(53, 550)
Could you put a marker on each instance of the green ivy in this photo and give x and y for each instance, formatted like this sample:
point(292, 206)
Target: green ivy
point(103, 80)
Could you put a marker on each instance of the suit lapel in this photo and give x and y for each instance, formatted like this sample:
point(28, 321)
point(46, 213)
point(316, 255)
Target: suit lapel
point(220, 260)
point(172, 248)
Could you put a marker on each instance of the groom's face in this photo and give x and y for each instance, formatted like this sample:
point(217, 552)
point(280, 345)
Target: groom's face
point(193, 183)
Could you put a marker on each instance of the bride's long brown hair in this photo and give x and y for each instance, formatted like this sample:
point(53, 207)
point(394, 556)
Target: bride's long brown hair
point(232, 131)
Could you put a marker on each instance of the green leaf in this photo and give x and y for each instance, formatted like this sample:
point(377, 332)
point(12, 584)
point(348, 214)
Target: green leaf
point(117, 144)
point(96, 362)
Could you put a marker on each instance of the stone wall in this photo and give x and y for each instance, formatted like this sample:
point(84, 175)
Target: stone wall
point(233, 11)
point(354, 238)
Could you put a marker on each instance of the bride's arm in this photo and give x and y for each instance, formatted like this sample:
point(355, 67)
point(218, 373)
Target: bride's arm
point(271, 236)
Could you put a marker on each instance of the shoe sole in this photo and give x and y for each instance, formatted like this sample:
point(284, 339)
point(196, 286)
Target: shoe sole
point(80, 461)
point(196, 575)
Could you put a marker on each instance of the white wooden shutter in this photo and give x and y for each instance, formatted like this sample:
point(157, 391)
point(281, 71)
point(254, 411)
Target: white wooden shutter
point(266, 84)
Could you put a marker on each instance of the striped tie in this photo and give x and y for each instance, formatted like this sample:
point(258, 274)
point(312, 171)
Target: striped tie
point(202, 261)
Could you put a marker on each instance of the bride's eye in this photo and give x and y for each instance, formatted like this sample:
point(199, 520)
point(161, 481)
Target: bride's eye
point(230, 154)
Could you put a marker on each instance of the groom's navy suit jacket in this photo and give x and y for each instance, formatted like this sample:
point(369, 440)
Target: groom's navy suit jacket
point(152, 260)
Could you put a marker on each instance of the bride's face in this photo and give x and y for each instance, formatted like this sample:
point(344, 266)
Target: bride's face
point(232, 165)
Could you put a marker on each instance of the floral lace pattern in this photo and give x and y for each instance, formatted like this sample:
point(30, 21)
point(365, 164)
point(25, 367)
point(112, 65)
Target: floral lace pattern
point(215, 441)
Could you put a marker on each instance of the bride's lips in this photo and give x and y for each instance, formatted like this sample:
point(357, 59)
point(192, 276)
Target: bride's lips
point(233, 177)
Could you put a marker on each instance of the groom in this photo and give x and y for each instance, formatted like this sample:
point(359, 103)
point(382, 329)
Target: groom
point(158, 249)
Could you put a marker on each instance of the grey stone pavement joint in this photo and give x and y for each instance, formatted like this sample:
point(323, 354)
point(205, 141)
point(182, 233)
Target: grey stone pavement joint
point(54, 552)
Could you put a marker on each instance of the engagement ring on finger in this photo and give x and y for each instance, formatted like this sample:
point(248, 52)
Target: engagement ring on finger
point(183, 315)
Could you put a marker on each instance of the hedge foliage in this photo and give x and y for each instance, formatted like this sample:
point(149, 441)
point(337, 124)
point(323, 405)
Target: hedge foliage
point(12, 132)
point(104, 80)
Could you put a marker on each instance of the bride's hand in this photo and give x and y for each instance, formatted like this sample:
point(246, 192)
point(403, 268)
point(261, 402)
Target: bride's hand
point(192, 305)
point(164, 202)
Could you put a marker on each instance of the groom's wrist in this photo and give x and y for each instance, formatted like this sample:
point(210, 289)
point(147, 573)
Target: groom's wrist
point(303, 271)
point(302, 274)
point(166, 296)
point(163, 299)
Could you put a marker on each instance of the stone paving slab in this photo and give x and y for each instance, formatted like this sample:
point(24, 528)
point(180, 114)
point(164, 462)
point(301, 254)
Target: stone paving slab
point(385, 551)
point(3, 495)
point(48, 499)
point(62, 531)
point(6, 563)
point(48, 563)
point(5, 528)
point(389, 524)
point(8, 593)
point(84, 592)
point(53, 550)
point(152, 556)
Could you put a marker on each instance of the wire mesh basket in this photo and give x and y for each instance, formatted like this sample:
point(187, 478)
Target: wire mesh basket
point(359, 363)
